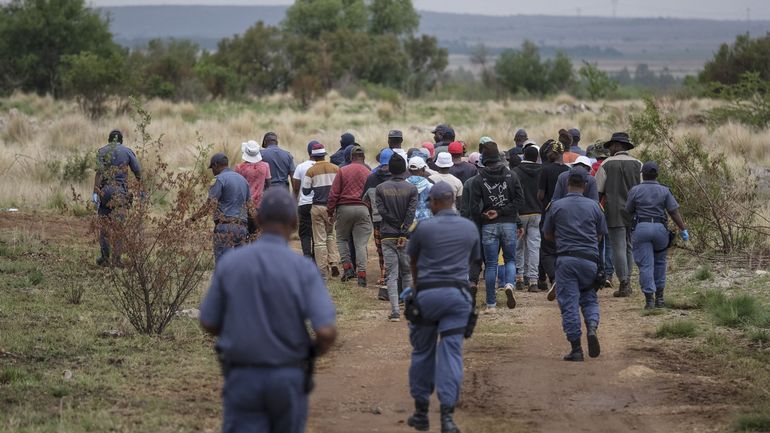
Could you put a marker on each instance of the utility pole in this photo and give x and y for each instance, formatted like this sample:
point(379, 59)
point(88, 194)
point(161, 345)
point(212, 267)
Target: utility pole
point(614, 8)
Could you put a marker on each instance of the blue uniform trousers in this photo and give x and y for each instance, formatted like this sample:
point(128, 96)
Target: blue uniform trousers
point(264, 400)
point(495, 237)
point(647, 238)
point(227, 237)
point(573, 273)
point(437, 362)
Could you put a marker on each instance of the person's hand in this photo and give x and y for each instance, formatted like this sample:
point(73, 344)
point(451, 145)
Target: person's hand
point(520, 232)
point(401, 243)
point(95, 199)
point(685, 235)
point(491, 214)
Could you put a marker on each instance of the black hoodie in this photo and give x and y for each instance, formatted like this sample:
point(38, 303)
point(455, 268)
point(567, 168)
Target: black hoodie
point(529, 174)
point(496, 188)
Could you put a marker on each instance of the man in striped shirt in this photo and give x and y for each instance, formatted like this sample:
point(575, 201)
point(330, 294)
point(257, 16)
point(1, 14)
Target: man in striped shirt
point(318, 181)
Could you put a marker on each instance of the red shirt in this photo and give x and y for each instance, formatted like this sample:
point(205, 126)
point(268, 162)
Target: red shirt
point(348, 186)
point(256, 174)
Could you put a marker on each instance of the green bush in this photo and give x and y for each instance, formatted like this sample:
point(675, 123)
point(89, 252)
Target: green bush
point(753, 422)
point(703, 273)
point(677, 329)
point(75, 168)
point(742, 310)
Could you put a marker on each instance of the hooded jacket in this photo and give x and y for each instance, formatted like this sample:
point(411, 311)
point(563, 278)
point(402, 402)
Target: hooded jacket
point(529, 175)
point(423, 189)
point(496, 189)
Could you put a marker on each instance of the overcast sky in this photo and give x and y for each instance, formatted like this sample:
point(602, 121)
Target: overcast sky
point(713, 9)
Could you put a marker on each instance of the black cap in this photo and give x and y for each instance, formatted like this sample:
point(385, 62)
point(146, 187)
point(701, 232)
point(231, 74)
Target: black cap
point(650, 167)
point(575, 133)
point(218, 159)
point(440, 128)
point(441, 191)
point(397, 165)
point(277, 206)
point(395, 133)
point(620, 137)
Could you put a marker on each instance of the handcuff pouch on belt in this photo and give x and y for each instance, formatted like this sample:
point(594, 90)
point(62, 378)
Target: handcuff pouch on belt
point(601, 276)
point(413, 313)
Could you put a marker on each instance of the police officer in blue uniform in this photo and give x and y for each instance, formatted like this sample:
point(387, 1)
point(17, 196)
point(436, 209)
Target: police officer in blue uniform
point(234, 214)
point(260, 298)
point(441, 250)
point(648, 203)
point(577, 225)
point(112, 194)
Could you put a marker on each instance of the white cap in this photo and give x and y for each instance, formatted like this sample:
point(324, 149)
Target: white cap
point(444, 160)
point(417, 163)
point(582, 160)
point(530, 143)
point(251, 151)
point(402, 153)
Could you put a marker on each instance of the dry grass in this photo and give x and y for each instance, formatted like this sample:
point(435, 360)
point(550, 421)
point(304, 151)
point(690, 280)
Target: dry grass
point(37, 131)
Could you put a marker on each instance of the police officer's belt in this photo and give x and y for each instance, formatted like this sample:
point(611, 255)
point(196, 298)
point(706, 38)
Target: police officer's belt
point(580, 255)
point(441, 284)
point(225, 220)
point(652, 220)
point(297, 364)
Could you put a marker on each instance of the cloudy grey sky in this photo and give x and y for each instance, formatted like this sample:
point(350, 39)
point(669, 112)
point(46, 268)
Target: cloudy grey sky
point(712, 9)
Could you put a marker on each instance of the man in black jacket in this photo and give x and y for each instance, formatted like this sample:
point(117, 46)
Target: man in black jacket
point(346, 140)
point(496, 198)
point(528, 246)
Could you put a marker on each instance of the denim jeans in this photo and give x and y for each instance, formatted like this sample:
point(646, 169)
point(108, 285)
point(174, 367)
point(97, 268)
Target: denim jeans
point(493, 237)
point(621, 252)
point(648, 238)
point(528, 248)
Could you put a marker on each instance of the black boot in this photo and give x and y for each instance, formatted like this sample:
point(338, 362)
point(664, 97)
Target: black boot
point(447, 423)
point(593, 340)
point(419, 420)
point(659, 302)
point(649, 301)
point(624, 291)
point(577, 352)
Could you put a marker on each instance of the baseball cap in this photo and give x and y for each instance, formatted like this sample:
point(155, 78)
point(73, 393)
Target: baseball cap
point(385, 156)
point(575, 133)
point(441, 191)
point(441, 128)
point(578, 174)
point(485, 139)
point(357, 151)
point(475, 159)
point(521, 134)
point(584, 160)
point(430, 148)
point(395, 133)
point(455, 148)
point(416, 163)
point(444, 160)
point(277, 206)
point(218, 159)
point(318, 150)
point(650, 167)
point(310, 146)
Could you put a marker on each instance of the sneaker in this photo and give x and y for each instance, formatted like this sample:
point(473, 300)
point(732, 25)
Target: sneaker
point(542, 285)
point(491, 309)
point(382, 295)
point(511, 302)
point(608, 284)
point(349, 274)
point(533, 288)
point(394, 317)
point(520, 285)
point(362, 279)
point(335, 271)
point(552, 292)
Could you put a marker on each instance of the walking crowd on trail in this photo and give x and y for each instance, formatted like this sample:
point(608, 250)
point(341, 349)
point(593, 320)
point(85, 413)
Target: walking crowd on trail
point(542, 218)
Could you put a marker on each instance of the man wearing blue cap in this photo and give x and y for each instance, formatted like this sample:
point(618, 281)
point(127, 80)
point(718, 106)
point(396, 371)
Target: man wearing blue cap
point(440, 250)
point(260, 299)
point(648, 204)
point(230, 199)
point(576, 224)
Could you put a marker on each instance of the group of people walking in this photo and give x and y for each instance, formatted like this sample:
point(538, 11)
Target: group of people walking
point(550, 217)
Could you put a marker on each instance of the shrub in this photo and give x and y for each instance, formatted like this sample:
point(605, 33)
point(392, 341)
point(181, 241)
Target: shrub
point(752, 422)
point(703, 273)
point(75, 291)
point(738, 311)
point(75, 168)
point(677, 329)
point(747, 102)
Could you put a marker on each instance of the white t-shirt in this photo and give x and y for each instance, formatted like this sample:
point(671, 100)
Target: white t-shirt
point(299, 173)
point(451, 179)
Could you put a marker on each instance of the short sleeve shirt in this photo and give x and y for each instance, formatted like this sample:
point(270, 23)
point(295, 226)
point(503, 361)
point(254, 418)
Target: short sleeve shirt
point(260, 298)
point(650, 199)
point(444, 246)
point(563, 181)
point(576, 223)
point(299, 174)
point(231, 191)
point(255, 174)
point(281, 164)
point(449, 178)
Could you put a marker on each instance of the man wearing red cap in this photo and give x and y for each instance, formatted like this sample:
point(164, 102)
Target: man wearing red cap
point(461, 169)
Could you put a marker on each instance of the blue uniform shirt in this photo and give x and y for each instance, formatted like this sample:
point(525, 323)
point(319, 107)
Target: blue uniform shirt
point(444, 246)
point(562, 181)
point(231, 190)
point(113, 162)
point(260, 298)
point(281, 164)
point(650, 199)
point(576, 222)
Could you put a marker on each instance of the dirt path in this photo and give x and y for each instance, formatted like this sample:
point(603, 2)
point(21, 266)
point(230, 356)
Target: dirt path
point(515, 379)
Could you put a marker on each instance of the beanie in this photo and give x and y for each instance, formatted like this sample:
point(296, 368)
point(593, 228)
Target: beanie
point(397, 165)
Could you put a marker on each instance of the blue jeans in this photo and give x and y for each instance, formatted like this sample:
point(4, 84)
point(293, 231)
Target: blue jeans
point(572, 274)
point(264, 400)
point(493, 238)
point(647, 238)
point(227, 237)
point(438, 362)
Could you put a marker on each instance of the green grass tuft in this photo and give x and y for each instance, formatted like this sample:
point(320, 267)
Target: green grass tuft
point(703, 273)
point(742, 310)
point(677, 329)
point(682, 303)
point(756, 335)
point(753, 422)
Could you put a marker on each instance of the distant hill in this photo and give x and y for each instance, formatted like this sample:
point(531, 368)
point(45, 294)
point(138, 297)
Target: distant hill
point(612, 41)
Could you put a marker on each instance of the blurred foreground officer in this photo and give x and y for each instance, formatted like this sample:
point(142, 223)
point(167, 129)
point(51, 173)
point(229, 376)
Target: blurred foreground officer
point(441, 249)
point(231, 198)
point(260, 298)
point(577, 225)
point(111, 192)
point(648, 204)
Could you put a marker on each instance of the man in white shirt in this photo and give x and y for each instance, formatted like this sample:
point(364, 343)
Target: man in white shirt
point(304, 204)
point(444, 163)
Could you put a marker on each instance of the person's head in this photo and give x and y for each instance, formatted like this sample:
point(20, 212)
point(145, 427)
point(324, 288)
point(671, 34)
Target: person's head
point(277, 213)
point(115, 137)
point(582, 161)
point(456, 149)
point(575, 134)
point(444, 162)
point(250, 152)
point(475, 159)
point(520, 137)
point(531, 154)
point(565, 138)
point(490, 155)
point(395, 139)
point(412, 152)
point(484, 140)
point(269, 139)
point(650, 170)
point(318, 153)
point(357, 154)
point(417, 166)
point(310, 147)
point(397, 165)
point(578, 177)
point(554, 150)
point(619, 142)
point(346, 140)
point(441, 197)
point(430, 148)
point(443, 133)
point(385, 156)
point(218, 163)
